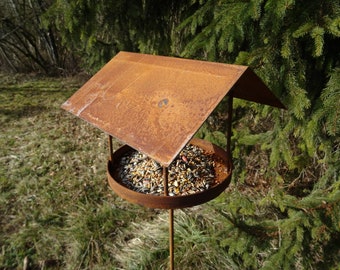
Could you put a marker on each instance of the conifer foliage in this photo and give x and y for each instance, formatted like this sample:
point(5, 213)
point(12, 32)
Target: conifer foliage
point(97, 30)
point(285, 207)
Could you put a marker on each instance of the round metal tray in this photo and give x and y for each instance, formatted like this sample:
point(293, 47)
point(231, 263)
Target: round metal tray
point(223, 170)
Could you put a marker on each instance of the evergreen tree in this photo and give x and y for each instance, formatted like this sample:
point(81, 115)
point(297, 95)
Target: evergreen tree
point(97, 30)
point(294, 47)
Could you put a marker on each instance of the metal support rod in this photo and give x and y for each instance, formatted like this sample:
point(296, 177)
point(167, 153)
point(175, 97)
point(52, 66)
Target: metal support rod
point(171, 219)
point(171, 238)
point(229, 126)
point(110, 148)
point(165, 180)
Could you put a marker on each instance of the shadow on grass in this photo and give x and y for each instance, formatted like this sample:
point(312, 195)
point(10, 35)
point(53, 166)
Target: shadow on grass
point(31, 99)
point(24, 111)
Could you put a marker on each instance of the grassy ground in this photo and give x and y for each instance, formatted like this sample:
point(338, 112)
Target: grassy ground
point(56, 209)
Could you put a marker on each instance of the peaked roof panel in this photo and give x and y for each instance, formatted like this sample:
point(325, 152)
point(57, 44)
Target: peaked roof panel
point(155, 104)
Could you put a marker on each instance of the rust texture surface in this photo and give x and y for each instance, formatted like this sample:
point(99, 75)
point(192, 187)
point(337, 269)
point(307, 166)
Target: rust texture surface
point(155, 104)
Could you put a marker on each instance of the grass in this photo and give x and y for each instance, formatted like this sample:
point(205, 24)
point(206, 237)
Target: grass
point(55, 206)
point(56, 209)
point(196, 231)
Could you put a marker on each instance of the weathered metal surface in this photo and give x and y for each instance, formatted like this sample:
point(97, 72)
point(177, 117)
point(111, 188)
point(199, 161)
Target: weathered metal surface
point(251, 88)
point(155, 104)
point(223, 170)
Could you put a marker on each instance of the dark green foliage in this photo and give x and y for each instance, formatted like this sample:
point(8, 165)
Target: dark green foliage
point(97, 30)
point(292, 157)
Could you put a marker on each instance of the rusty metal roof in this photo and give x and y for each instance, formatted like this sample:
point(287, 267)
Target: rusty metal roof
point(155, 104)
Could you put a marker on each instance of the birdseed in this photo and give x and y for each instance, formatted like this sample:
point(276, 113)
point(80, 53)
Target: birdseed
point(191, 171)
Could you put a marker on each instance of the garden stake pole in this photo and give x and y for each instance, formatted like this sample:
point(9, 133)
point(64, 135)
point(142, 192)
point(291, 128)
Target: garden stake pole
point(171, 238)
point(110, 148)
point(165, 180)
point(171, 219)
point(229, 125)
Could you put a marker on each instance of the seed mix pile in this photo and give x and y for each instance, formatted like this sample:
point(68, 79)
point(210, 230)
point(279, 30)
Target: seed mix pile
point(192, 171)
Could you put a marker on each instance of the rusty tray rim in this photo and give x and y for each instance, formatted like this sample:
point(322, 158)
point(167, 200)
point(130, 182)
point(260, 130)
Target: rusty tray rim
point(170, 202)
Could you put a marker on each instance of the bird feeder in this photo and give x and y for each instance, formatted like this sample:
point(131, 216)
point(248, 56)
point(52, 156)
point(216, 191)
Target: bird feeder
point(155, 105)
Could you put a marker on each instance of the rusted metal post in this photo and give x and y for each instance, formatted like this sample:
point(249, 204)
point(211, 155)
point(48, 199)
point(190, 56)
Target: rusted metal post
point(171, 238)
point(110, 148)
point(171, 219)
point(165, 180)
point(229, 126)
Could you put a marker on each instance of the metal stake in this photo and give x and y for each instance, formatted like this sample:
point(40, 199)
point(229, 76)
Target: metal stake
point(171, 238)
point(171, 220)
point(165, 182)
point(110, 148)
point(229, 125)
